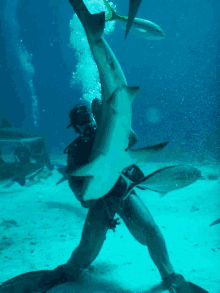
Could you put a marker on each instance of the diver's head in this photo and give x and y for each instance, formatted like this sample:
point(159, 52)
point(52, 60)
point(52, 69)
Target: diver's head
point(22, 155)
point(83, 122)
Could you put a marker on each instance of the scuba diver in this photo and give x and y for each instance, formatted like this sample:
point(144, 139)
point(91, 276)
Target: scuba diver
point(101, 218)
point(39, 153)
point(22, 155)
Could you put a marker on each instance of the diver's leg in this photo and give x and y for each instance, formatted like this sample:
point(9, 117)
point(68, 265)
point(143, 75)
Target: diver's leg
point(93, 237)
point(143, 227)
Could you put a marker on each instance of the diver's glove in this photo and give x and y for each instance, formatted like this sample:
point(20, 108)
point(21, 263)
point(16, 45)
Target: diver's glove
point(112, 223)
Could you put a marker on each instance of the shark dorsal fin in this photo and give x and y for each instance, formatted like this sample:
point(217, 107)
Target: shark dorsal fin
point(2, 161)
point(5, 123)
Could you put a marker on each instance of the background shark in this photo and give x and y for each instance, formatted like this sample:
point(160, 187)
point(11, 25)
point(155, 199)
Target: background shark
point(17, 172)
point(8, 133)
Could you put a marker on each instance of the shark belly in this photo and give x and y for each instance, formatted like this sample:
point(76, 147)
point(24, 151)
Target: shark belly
point(110, 146)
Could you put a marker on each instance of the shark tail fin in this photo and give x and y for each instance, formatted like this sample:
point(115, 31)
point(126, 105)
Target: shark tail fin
point(111, 13)
point(94, 24)
point(143, 154)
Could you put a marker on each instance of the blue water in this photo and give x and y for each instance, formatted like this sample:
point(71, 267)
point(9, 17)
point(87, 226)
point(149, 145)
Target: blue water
point(178, 77)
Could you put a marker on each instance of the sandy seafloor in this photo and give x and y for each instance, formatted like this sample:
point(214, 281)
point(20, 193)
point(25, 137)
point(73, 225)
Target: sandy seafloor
point(49, 222)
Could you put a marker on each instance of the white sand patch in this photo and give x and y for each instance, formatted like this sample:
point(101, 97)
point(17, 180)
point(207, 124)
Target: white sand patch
point(50, 220)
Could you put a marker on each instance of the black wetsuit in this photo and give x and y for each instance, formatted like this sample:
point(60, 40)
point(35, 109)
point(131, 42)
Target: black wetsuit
point(131, 210)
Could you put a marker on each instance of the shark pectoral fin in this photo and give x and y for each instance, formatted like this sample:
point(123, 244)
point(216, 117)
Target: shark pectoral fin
point(62, 170)
point(20, 180)
point(143, 154)
point(215, 222)
point(64, 178)
point(2, 161)
point(38, 172)
point(89, 169)
point(5, 123)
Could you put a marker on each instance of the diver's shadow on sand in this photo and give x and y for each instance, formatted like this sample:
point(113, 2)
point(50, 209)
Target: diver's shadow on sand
point(91, 284)
point(69, 208)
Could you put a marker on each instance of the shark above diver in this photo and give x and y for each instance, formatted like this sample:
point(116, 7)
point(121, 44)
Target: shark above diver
point(109, 154)
point(140, 27)
point(8, 133)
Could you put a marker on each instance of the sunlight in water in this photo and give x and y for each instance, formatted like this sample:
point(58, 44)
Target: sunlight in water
point(86, 69)
point(24, 57)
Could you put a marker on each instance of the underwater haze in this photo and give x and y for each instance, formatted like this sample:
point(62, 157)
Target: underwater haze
point(178, 76)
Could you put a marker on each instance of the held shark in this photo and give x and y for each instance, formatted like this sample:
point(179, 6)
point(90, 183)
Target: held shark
point(161, 181)
point(140, 27)
point(109, 154)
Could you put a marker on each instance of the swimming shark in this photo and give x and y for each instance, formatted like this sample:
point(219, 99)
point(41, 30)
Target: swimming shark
point(109, 154)
point(8, 133)
point(140, 27)
point(11, 172)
